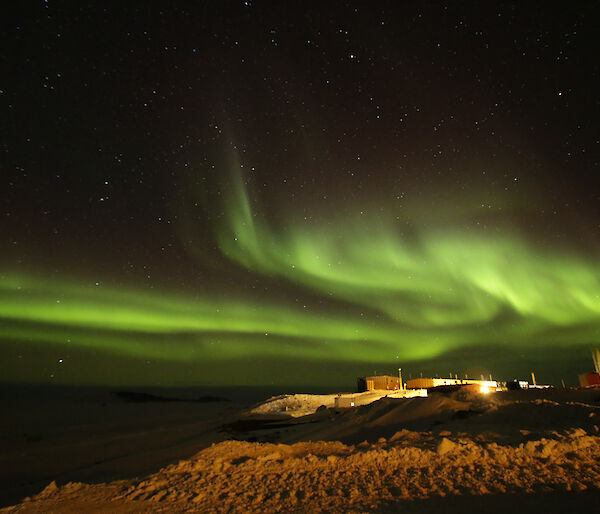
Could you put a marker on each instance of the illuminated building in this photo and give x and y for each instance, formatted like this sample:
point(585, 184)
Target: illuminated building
point(485, 386)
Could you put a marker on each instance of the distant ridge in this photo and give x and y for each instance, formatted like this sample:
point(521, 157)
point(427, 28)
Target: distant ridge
point(136, 397)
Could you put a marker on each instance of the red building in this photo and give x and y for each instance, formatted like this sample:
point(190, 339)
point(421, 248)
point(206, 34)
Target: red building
point(589, 379)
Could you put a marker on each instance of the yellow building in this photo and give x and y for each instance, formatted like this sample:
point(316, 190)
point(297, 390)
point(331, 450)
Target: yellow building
point(386, 382)
point(428, 383)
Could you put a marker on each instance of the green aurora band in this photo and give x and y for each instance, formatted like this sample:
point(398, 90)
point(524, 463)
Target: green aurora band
point(446, 279)
point(400, 299)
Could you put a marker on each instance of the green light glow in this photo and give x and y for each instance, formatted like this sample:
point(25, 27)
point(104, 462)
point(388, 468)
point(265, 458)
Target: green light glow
point(447, 278)
point(395, 299)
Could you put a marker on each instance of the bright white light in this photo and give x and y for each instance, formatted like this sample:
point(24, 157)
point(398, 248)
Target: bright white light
point(485, 389)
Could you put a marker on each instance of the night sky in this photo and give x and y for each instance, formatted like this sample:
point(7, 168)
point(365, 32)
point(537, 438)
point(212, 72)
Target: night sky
point(298, 193)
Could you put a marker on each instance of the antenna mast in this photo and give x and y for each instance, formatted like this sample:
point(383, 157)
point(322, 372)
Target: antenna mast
point(596, 357)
